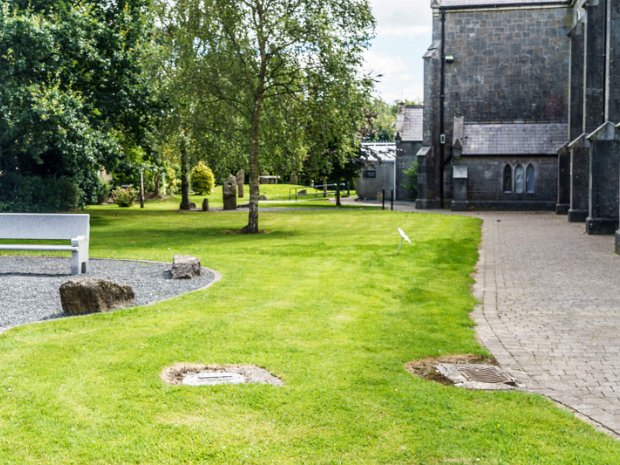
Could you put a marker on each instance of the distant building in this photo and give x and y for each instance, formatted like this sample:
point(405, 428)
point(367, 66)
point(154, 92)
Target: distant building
point(379, 172)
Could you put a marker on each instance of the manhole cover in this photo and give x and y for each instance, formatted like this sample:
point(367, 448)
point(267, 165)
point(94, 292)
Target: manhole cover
point(483, 374)
point(207, 378)
point(477, 376)
point(192, 374)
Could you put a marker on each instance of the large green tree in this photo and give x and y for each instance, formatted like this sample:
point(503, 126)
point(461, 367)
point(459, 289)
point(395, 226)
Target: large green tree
point(73, 96)
point(265, 63)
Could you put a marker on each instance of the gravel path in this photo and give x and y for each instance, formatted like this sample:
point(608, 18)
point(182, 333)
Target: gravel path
point(29, 285)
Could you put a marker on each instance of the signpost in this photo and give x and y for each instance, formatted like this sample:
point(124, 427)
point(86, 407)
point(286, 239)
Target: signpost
point(403, 237)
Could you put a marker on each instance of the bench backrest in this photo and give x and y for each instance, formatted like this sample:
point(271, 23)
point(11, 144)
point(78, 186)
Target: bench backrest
point(43, 226)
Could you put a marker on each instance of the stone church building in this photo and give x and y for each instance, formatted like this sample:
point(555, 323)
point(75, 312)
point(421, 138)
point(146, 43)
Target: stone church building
point(521, 109)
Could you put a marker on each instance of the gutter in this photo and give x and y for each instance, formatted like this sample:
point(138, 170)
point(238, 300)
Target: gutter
point(515, 5)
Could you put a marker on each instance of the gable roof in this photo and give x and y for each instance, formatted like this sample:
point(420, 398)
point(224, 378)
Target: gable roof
point(513, 138)
point(495, 3)
point(409, 121)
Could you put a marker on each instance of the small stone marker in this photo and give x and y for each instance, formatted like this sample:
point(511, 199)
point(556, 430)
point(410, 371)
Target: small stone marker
point(205, 205)
point(90, 295)
point(229, 191)
point(262, 197)
point(185, 267)
point(240, 180)
point(294, 179)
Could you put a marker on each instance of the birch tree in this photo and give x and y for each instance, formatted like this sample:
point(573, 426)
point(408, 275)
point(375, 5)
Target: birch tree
point(261, 57)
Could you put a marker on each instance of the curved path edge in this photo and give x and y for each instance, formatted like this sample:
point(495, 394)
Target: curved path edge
point(548, 311)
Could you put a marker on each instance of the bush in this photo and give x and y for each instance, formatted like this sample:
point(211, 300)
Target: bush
point(37, 193)
point(411, 180)
point(124, 196)
point(203, 180)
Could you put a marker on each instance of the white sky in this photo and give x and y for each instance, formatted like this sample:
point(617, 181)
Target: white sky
point(403, 35)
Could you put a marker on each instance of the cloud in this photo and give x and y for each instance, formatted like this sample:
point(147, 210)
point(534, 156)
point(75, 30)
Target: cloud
point(403, 35)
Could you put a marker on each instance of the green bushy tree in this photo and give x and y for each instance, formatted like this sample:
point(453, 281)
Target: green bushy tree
point(73, 97)
point(203, 180)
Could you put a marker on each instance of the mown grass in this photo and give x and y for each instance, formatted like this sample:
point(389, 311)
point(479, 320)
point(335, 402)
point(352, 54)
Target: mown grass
point(275, 193)
point(321, 300)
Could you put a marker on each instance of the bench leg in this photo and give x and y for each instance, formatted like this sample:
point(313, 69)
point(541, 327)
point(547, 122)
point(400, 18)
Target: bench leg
point(75, 263)
point(79, 257)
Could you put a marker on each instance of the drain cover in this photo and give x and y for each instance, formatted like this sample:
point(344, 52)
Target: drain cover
point(483, 374)
point(210, 378)
point(477, 376)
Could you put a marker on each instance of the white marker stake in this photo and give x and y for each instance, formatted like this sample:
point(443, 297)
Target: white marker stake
point(403, 236)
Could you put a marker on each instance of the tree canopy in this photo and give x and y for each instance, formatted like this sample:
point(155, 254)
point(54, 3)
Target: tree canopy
point(280, 79)
point(73, 97)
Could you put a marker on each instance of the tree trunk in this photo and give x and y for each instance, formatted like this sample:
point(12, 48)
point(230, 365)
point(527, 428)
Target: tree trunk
point(338, 204)
point(259, 95)
point(185, 205)
point(252, 226)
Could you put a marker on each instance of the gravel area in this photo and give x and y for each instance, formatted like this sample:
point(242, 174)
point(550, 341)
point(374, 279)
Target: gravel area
point(29, 285)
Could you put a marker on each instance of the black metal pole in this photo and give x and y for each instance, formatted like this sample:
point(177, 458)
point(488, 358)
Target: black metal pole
point(392, 199)
point(383, 199)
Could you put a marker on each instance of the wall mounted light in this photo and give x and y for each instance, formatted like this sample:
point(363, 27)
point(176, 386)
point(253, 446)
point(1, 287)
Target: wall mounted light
point(449, 58)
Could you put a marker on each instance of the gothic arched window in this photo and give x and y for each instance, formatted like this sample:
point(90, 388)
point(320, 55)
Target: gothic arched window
point(507, 178)
point(519, 180)
point(530, 180)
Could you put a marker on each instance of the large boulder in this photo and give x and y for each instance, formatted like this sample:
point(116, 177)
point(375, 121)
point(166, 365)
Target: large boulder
point(185, 267)
point(89, 295)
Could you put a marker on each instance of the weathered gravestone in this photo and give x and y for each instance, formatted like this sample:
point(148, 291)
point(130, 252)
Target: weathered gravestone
point(294, 180)
point(230, 193)
point(89, 295)
point(185, 267)
point(205, 205)
point(240, 181)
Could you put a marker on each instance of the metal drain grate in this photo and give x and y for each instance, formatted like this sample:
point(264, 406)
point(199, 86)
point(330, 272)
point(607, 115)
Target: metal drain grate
point(483, 374)
point(477, 376)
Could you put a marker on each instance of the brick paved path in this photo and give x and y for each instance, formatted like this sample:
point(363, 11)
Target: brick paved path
point(550, 310)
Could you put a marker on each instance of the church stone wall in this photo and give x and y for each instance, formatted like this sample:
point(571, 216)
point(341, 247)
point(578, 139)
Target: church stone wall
point(509, 65)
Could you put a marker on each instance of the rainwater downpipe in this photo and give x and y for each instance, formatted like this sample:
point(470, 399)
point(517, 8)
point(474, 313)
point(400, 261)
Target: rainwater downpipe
point(442, 102)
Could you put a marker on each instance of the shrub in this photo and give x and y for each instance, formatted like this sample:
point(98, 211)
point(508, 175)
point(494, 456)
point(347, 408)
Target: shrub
point(203, 180)
point(411, 180)
point(124, 196)
point(37, 193)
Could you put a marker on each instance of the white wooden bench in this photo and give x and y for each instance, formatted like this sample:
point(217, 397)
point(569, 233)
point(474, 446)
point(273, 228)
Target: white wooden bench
point(43, 226)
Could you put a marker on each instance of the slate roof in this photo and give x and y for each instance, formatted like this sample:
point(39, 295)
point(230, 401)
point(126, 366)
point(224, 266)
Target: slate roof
point(409, 121)
point(513, 138)
point(379, 151)
point(487, 3)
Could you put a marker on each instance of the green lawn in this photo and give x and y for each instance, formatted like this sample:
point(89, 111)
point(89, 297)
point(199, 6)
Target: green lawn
point(321, 300)
point(278, 195)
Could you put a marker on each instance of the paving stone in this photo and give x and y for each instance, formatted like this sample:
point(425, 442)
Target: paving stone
point(550, 309)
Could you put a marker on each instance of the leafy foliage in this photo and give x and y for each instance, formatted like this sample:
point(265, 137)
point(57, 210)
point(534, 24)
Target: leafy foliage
point(72, 97)
point(269, 82)
point(203, 180)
